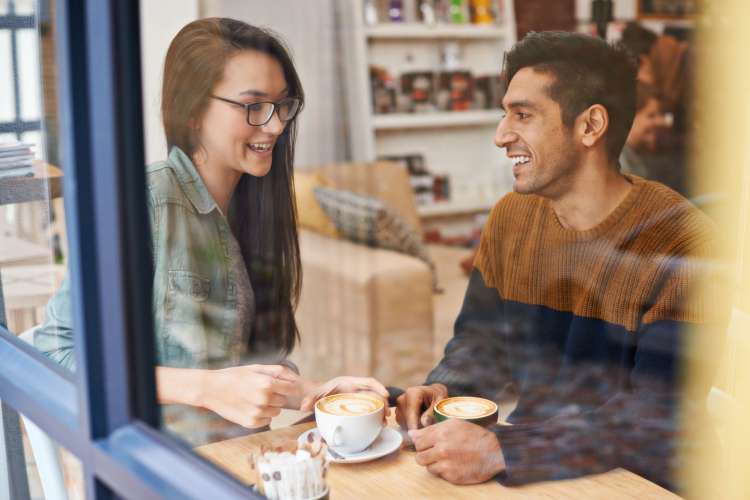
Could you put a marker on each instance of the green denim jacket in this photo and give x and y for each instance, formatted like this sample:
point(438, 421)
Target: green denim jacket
point(195, 295)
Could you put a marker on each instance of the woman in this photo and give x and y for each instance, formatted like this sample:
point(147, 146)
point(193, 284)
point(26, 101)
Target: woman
point(227, 265)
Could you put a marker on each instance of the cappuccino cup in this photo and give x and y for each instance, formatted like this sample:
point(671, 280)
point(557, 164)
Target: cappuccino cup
point(479, 411)
point(349, 422)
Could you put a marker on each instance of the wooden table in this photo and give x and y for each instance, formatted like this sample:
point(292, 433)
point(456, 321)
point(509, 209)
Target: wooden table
point(399, 476)
point(45, 184)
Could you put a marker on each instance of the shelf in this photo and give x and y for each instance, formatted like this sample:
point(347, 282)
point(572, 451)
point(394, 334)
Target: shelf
point(447, 208)
point(422, 31)
point(436, 120)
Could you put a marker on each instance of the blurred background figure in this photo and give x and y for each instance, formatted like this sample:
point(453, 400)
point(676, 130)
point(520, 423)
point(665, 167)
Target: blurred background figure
point(656, 148)
point(649, 121)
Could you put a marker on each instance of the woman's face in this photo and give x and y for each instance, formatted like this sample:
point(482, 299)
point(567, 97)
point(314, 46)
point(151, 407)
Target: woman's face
point(226, 139)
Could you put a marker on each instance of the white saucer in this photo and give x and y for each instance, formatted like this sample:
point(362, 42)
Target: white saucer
point(387, 442)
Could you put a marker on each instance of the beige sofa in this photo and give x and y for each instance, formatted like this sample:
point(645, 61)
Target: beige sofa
point(369, 311)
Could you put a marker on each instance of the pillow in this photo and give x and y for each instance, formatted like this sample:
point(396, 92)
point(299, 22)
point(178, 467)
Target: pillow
point(309, 213)
point(367, 220)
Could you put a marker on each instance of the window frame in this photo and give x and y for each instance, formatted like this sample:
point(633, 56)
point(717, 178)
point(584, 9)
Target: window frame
point(106, 413)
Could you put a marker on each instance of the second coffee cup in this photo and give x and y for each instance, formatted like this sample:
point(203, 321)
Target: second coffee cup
point(472, 409)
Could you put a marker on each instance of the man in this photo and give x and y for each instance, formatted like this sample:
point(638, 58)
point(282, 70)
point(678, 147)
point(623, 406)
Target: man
point(577, 308)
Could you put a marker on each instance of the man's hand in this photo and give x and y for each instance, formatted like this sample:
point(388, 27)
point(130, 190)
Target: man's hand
point(458, 451)
point(414, 407)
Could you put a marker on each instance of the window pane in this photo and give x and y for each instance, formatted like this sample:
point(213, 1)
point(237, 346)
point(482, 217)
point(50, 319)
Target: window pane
point(435, 248)
point(7, 97)
point(47, 463)
point(34, 256)
point(24, 7)
point(37, 464)
point(28, 74)
point(4, 5)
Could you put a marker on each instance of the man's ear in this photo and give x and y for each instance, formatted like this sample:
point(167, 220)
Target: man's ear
point(593, 123)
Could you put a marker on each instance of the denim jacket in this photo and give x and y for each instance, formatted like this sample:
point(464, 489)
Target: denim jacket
point(194, 293)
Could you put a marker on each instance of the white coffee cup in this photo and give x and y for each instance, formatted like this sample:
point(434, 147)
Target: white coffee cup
point(349, 422)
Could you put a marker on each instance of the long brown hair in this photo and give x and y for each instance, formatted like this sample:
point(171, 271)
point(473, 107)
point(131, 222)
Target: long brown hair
point(262, 212)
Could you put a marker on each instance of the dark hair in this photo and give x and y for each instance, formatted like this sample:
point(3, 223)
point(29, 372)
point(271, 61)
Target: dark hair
point(638, 39)
point(586, 71)
point(262, 212)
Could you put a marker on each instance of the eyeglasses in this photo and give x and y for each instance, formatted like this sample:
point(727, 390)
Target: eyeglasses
point(260, 113)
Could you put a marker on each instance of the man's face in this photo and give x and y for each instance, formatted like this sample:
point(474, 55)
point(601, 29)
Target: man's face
point(543, 150)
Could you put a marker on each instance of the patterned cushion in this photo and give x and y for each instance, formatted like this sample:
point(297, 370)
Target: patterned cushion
point(309, 213)
point(367, 220)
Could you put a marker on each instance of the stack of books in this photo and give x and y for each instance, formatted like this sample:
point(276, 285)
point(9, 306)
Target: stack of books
point(16, 159)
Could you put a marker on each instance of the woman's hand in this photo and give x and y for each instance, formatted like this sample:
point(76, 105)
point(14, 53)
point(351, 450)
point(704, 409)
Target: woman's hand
point(343, 384)
point(248, 395)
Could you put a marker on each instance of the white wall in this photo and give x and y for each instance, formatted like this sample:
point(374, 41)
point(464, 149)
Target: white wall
point(308, 27)
point(160, 22)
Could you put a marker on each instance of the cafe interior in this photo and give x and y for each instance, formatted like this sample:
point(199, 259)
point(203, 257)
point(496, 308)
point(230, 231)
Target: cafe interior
point(398, 174)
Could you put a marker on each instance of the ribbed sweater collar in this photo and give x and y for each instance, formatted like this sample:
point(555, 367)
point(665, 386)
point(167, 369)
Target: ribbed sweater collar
point(610, 222)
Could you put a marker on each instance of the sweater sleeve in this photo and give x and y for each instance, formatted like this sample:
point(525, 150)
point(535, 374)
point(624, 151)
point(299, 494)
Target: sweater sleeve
point(474, 362)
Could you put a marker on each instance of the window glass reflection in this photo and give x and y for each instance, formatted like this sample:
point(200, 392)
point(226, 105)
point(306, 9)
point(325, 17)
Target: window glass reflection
point(25, 7)
point(32, 220)
point(7, 110)
point(28, 73)
point(53, 472)
point(518, 231)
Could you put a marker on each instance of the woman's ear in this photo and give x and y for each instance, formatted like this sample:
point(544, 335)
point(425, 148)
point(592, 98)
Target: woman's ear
point(193, 124)
point(594, 124)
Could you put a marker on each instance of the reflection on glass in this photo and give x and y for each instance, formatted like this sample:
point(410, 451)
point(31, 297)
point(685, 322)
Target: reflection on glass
point(7, 95)
point(24, 7)
point(53, 472)
point(28, 73)
point(575, 327)
point(32, 226)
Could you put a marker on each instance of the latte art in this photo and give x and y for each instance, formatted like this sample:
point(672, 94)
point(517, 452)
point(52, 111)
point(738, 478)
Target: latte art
point(349, 405)
point(466, 407)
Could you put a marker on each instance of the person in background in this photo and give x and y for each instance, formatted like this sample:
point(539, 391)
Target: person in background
point(227, 271)
point(649, 120)
point(664, 64)
point(581, 305)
